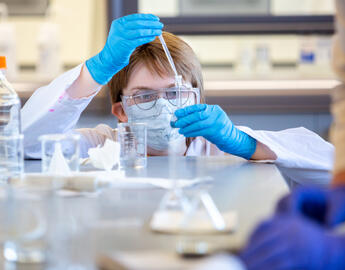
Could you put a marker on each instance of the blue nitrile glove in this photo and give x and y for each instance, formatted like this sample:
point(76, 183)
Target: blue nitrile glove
point(126, 34)
point(293, 242)
point(310, 202)
point(326, 206)
point(211, 122)
point(336, 206)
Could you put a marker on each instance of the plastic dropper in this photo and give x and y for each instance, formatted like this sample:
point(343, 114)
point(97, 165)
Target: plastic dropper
point(174, 199)
point(178, 78)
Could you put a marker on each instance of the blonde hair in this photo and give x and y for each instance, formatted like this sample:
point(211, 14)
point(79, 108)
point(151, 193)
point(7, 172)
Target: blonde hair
point(153, 57)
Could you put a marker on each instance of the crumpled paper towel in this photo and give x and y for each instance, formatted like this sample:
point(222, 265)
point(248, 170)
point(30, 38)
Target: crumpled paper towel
point(105, 157)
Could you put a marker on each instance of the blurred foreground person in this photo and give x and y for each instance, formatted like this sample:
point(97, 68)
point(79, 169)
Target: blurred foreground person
point(307, 230)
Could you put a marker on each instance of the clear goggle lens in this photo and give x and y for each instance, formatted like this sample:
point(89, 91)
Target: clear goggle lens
point(146, 99)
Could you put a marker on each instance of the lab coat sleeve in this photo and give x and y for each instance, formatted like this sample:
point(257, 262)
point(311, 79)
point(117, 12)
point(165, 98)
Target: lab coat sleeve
point(92, 137)
point(303, 157)
point(50, 110)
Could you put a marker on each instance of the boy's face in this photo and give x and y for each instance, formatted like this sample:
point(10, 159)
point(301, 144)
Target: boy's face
point(141, 80)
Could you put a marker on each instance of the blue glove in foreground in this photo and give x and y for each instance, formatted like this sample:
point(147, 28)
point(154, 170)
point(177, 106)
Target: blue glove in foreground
point(292, 242)
point(126, 34)
point(211, 122)
point(324, 206)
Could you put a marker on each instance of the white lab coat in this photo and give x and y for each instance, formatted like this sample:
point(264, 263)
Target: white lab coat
point(302, 156)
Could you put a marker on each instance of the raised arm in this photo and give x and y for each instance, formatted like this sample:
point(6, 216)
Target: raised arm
point(125, 35)
point(56, 108)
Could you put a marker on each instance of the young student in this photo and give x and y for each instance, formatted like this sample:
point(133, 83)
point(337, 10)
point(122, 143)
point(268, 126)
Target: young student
point(142, 87)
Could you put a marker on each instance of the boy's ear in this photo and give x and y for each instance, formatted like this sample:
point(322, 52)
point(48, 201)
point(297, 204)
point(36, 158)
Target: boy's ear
point(117, 110)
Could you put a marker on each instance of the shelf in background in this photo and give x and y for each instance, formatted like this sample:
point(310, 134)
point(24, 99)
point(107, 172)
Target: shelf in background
point(250, 25)
point(241, 96)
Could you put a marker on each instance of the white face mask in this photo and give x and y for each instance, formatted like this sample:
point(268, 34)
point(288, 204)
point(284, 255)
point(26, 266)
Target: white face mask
point(157, 119)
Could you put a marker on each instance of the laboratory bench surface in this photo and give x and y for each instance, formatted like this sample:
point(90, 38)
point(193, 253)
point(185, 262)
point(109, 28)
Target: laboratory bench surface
point(249, 189)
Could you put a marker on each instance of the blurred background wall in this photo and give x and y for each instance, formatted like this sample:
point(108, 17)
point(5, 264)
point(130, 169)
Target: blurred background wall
point(266, 62)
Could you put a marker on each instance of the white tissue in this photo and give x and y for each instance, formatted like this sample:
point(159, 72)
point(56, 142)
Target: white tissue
point(58, 164)
point(105, 157)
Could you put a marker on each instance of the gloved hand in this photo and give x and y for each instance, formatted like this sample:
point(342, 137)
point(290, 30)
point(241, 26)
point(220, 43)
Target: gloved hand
point(324, 206)
point(311, 202)
point(293, 242)
point(126, 34)
point(211, 122)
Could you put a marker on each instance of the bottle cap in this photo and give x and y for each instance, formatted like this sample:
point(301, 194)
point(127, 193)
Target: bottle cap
point(3, 62)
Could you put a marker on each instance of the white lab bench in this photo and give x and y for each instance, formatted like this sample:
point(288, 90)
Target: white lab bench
point(249, 189)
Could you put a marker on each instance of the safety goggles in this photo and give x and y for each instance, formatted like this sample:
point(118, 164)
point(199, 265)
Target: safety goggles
point(146, 99)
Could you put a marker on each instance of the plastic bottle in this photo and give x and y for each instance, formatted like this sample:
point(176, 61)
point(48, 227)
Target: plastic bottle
point(11, 140)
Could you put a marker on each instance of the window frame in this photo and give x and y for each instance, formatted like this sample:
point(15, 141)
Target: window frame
point(234, 25)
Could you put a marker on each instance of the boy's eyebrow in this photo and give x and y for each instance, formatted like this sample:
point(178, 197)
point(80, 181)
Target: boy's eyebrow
point(149, 88)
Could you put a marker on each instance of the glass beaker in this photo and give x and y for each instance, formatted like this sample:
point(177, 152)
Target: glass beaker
point(11, 157)
point(133, 141)
point(71, 238)
point(60, 153)
point(23, 225)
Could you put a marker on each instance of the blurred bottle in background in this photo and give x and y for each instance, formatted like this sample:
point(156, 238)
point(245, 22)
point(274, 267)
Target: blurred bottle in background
point(11, 140)
point(262, 59)
point(245, 60)
point(315, 56)
point(49, 63)
point(307, 55)
point(323, 55)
